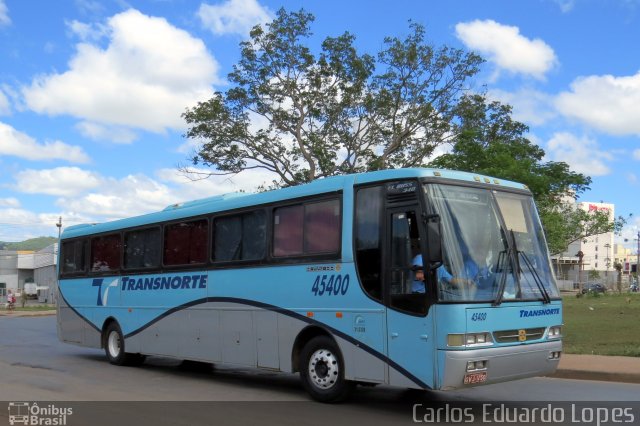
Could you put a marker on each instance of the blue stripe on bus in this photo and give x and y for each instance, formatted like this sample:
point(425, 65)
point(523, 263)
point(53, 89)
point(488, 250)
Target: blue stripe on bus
point(272, 308)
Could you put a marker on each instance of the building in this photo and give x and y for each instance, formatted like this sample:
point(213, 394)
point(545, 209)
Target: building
point(20, 267)
point(627, 257)
point(598, 254)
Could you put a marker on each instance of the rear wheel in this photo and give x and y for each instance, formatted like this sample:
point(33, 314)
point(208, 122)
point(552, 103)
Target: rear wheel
point(115, 349)
point(322, 370)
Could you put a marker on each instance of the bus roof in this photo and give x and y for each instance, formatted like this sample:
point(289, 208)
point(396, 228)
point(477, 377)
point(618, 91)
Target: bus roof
point(239, 200)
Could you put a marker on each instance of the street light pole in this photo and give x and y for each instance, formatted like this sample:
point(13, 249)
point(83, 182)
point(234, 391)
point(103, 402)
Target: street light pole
point(59, 226)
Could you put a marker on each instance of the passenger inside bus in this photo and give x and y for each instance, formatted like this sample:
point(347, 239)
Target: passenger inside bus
point(472, 278)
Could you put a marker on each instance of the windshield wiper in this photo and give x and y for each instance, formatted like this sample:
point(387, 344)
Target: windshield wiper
point(503, 278)
point(536, 278)
point(509, 257)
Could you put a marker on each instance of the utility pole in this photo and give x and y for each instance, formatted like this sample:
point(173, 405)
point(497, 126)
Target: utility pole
point(59, 225)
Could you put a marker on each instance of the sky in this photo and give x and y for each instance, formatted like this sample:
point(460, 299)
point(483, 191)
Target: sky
point(92, 92)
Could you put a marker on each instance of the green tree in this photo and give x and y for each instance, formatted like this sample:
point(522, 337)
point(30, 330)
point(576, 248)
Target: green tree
point(618, 267)
point(337, 111)
point(488, 141)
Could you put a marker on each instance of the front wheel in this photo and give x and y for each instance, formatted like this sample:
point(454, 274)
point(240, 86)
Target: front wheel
point(322, 370)
point(115, 350)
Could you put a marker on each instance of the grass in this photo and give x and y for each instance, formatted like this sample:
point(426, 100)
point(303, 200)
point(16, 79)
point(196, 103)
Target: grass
point(36, 308)
point(602, 325)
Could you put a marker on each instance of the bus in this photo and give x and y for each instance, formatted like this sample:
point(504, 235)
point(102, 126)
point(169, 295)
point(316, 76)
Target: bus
point(322, 279)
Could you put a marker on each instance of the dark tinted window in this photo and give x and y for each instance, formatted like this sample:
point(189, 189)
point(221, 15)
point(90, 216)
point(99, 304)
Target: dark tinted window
point(240, 237)
point(367, 239)
point(311, 228)
point(322, 227)
point(73, 256)
point(142, 248)
point(185, 243)
point(287, 231)
point(105, 253)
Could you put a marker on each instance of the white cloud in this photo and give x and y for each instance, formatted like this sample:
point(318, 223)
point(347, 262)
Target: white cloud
point(62, 181)
point(9, 202)
point(13, 142)
point(90, 7)
point(630, 233)
point(5, 108)
point(505, 46)
point(234, 16)
point(86, 196)
point(636, 154)
point(607, 103)
point(118, 198)
point(87, 32)
point(189, 189)
point(145, 78)
point(4, 14)
point(529, 106)
point(19, 224)
point(565, 5)
point(582, 154)
point(98, 132)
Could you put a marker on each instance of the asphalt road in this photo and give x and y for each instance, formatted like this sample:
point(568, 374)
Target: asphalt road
point(35, 366)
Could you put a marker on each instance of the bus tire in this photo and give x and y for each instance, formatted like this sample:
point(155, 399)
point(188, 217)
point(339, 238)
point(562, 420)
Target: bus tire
point(322, 370)
point(115, 349)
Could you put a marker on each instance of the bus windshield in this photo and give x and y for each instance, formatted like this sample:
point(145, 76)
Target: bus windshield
point(493, 246)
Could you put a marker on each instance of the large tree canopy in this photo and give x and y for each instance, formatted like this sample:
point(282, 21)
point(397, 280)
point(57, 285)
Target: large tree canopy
point(488, 141)
point(303, 115)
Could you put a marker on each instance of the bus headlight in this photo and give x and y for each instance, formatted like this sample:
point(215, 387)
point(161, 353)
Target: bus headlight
point(555, 332)
point(469, 339)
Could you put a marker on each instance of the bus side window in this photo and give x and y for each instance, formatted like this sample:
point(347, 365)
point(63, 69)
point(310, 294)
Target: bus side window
point(240, 237)
point(105, 253)
point(312, 228)
point(185, 243)
point(73, 257)
point(367, 230)
point(142, 248)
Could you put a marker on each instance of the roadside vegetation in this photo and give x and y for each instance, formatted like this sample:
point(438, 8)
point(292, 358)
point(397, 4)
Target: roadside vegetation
point(34, 308)
point(602, 324)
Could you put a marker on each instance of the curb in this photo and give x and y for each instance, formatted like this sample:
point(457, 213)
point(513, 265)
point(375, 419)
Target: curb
point(16, 314)
point(602, 376)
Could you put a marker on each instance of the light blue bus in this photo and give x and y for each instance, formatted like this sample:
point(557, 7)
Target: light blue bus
point(421, 278)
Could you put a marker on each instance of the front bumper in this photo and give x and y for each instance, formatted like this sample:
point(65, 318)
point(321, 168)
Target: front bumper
point(503, 363)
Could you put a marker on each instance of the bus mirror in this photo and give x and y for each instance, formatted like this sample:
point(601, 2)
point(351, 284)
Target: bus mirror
point(434, 240)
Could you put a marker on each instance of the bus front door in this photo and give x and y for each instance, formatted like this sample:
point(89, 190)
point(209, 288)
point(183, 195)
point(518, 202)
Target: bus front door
point(410, 337)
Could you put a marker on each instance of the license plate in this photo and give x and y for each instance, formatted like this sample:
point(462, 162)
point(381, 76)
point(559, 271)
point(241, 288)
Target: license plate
point(473, 378)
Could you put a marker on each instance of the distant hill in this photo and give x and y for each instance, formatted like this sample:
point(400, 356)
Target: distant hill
point(32, 244)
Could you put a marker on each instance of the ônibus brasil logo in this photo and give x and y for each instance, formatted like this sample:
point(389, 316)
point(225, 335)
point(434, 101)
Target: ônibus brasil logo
point(31, 414)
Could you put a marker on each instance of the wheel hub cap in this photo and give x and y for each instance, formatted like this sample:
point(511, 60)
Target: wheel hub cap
point(114, 344)
point(323, 369)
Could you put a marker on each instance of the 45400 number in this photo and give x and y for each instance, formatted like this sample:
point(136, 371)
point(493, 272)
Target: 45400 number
point(334, 284)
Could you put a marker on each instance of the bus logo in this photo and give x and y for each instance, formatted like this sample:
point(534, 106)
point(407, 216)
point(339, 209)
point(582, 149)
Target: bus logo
point(18, 413)
point(522, 335)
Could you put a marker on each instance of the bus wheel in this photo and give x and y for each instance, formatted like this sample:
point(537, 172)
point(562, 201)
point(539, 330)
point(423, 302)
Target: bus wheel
point(114, 348)
point(322, 370)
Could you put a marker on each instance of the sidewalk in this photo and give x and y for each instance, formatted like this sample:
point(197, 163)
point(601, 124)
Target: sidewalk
point(595, 367)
